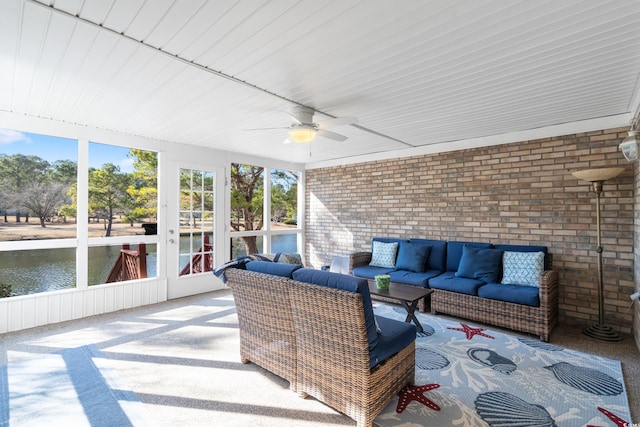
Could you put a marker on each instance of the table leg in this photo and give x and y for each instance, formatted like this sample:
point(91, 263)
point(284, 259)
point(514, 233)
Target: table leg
point(411, 317)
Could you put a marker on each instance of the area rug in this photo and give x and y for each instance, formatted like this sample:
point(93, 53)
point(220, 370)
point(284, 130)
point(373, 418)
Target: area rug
point(72, 387)
point(467, 375)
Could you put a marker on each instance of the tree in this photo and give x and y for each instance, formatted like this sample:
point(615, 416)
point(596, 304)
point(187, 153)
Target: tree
point(43, 199)
point(144, 187)
point(284, 194)
point(108, 191)
point(247, 195)
point(72, 208)
point(63, 171)
point(17, 171)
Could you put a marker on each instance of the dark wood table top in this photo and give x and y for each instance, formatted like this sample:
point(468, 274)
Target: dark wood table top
point(399, 291)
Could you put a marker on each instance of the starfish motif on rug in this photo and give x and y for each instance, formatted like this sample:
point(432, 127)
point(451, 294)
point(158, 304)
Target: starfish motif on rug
point(619, 422)
point(416, 392)
point(471, 331)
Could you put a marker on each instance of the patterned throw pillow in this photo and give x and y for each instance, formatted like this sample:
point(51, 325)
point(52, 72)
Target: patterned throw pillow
point(384, 254)
point(522, 268)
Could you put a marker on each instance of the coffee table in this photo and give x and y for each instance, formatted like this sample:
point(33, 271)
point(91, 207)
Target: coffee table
point(408, 296)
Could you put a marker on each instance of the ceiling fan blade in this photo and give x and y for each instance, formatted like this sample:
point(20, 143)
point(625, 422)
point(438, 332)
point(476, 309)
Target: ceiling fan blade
point(295, 119)
point(331, 135)
point(339, 121)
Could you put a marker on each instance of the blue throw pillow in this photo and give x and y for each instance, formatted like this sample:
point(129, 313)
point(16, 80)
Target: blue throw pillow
point(479, 263)
point(412, 257)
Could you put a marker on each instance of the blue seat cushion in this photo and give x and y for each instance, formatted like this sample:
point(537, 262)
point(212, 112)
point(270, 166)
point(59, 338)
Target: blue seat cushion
point(412, 257)
point(275, 268)
point(480, 263)
point(527, 295)
point(411, 278)
point(394, 336)
point(448, 281)
point(454, 252)
point(344, 283)
point(370, 271)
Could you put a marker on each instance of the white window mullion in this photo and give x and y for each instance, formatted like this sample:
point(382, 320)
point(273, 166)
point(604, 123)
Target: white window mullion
point(82, 251)
point(266, 214)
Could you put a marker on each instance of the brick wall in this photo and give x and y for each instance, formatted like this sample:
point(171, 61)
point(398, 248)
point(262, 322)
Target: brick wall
point(521, 193)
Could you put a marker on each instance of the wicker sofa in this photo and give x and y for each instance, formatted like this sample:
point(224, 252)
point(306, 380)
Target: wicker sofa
point(475, 295)
point(317, 330)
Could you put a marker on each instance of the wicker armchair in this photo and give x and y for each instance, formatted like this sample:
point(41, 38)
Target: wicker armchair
point(267, 334)
point(334, 358)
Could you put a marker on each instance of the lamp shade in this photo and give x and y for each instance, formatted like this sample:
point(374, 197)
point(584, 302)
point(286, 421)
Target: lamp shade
point(600, 174)
point(302, 134)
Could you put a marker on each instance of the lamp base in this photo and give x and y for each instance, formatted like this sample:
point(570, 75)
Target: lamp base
point(602, 332)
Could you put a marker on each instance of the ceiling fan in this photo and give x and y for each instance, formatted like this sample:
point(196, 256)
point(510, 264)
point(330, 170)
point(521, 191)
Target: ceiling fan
point(304, 129)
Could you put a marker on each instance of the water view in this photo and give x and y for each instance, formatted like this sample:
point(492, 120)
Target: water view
point(45, 270)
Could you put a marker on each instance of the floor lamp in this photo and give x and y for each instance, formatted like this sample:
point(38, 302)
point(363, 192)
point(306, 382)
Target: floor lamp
point(597, 177)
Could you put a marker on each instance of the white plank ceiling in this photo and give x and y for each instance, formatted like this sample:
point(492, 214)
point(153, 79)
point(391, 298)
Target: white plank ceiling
point(414, 72)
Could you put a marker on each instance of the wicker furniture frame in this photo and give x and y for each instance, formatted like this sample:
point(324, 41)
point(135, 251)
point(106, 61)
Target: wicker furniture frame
point(333, 354)
point(534, 320)
point(519, 317)
point(265, 319)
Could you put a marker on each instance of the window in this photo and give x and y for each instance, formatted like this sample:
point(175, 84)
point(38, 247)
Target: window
point(258, 193)
point(197, 220)
point(38, 175)
point(122, 200)
point(41, 231)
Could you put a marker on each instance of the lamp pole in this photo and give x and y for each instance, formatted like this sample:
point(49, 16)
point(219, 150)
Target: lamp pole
point(597, 177)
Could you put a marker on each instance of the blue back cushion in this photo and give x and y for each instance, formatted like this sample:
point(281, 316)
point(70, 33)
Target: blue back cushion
point(480, 263)
point(525, 248)
point(275, 268)
point(344, 283)
point(412, 257)
point(437, 255)
point(454, 252)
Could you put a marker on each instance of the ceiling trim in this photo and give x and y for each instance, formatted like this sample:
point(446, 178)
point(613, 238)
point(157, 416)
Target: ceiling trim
point(620, 120)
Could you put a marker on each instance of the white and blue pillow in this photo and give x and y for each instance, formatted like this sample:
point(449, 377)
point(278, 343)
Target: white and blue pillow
point(522, 268)
point(384, 254)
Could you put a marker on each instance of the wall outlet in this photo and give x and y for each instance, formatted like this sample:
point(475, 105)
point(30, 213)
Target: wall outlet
point(634, 297)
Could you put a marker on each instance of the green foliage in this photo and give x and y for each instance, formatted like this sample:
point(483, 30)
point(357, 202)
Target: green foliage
point(108, 192)
point(5, 290)
point(143, 190)
point(18, 170)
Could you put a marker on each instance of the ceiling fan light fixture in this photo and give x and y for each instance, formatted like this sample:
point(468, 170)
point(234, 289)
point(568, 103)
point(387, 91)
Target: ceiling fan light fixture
point(302, 134)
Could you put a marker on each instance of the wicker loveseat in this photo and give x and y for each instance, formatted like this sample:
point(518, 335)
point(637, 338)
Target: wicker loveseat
point(465, 289)
point(317, 330)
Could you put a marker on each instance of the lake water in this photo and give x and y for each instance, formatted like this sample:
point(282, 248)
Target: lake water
point(52, 269)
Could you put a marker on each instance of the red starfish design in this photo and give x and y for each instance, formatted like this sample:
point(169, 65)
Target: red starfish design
point(416, 392)
point(613, 417)
point(471, 332)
